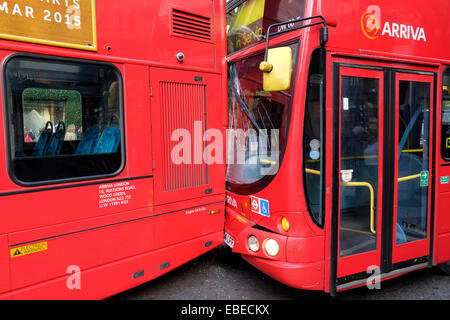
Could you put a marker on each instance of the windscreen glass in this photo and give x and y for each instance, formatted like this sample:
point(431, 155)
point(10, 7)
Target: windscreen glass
point(258, 122)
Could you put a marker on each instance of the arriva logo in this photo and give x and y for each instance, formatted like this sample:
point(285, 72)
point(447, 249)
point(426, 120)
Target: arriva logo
point(371, 27)
point(370, 22)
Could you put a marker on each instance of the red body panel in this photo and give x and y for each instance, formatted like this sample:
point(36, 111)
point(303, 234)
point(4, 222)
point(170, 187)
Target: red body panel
point(298, 264)
point(119, 247)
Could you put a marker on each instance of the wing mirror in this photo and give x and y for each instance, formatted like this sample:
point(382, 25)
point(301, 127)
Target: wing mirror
point(277, 69)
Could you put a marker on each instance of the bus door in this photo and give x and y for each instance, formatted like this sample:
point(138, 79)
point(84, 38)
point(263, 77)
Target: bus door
point(381, 171)
point(412, 175)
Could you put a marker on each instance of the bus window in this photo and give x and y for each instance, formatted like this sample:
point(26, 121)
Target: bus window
point(446, 115)
point(64, 120)
point(313, 139)
point(247, 21)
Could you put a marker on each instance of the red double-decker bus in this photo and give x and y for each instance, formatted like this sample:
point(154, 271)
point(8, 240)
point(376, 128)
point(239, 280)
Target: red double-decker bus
point(338, 163)
point(99, 97)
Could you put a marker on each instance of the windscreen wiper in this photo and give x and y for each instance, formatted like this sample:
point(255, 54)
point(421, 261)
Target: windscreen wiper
point(237, 92)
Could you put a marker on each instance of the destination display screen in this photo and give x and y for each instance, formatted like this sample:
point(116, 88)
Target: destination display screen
point(247, 21)
point(65, 23)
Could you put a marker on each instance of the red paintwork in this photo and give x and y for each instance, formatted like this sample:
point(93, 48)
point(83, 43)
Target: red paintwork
point(347, 44)
point(156, 227)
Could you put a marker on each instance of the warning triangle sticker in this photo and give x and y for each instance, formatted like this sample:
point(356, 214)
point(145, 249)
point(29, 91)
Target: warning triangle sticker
point(17, 252)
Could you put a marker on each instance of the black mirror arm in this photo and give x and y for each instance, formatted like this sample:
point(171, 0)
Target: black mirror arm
point(323, 32)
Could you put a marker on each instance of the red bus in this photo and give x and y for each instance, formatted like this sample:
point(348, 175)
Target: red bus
point(339, 159)
point(93, 92)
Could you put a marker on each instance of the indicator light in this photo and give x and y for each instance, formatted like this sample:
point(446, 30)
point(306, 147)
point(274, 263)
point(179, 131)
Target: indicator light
point(285, 224)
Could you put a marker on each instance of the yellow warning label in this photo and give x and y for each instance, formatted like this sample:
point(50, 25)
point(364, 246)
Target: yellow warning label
point(29, 249)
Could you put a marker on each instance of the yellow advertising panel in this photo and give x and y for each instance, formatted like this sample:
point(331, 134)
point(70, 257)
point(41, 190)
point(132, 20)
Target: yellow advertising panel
point(245, 24)
point(253, 10)
point(64, 23)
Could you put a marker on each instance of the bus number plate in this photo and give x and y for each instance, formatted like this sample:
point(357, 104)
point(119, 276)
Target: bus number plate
point(229, 240)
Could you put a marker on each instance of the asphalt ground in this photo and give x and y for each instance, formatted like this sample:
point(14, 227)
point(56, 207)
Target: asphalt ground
point(223, 275)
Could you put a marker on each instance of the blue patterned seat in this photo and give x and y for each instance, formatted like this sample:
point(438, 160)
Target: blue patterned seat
point(88, 141)
point(109, 140)
point(55, 144)
point(44, 137)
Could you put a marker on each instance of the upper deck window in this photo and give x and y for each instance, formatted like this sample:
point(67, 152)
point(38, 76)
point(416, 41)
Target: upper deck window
point(64, 119)
point(247, 21)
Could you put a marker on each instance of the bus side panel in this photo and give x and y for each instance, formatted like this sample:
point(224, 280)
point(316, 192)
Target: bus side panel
point(96, 283)
point(106, 280)
point(443, 227)
point(144, 30)
point(83, 250)
point(4, 252)
point(174, 256)
point(138, 120)
point(443, 245)
point(443, 219)
point(4, 264)
point(32, 211)
point(188, 224)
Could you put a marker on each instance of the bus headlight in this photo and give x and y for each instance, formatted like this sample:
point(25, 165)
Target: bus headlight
point(253, 243)
point(271, 247)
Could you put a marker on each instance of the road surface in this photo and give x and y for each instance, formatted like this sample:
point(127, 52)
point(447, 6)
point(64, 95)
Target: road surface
point(223, 275)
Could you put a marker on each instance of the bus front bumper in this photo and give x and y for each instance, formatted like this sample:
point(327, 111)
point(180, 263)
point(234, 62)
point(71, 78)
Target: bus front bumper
point(299, 262)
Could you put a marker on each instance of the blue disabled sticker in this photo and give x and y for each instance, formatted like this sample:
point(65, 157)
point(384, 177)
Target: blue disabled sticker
point(264, 207)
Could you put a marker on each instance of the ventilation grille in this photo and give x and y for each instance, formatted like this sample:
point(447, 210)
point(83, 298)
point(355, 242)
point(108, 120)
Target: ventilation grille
point(183, 108)
point(191, 25)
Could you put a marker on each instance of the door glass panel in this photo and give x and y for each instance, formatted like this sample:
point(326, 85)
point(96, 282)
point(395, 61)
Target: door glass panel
point(413, 161)
point(359, 165)
point(445, 129)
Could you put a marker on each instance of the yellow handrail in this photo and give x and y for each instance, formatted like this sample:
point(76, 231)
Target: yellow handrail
point(266, 161)
point(312, 171)
point(415, 176)
point(372, 194)
point(412, 150)
point(372, 200)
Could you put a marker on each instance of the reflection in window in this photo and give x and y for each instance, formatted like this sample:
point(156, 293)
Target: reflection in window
point(43, 105)
point(64, 119)
point(248, 21)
